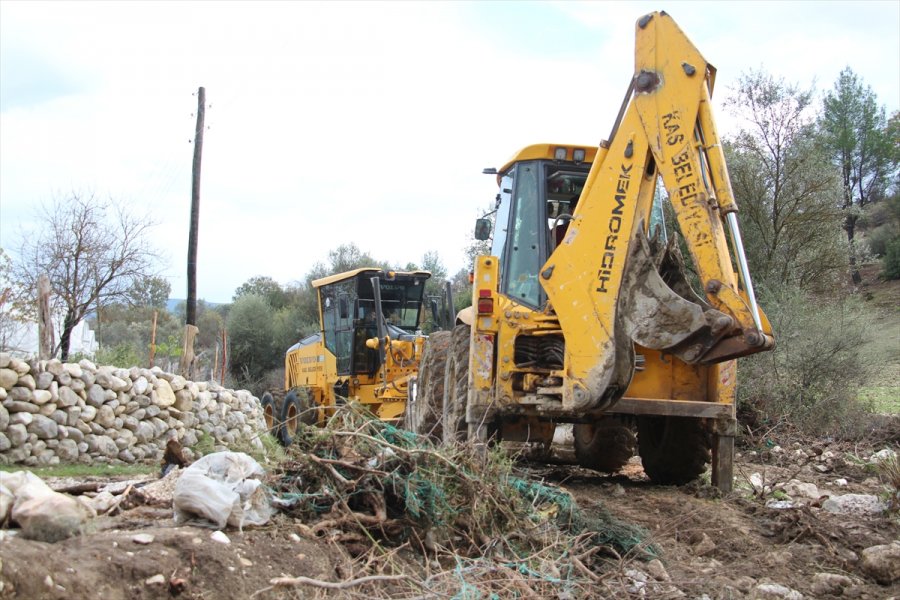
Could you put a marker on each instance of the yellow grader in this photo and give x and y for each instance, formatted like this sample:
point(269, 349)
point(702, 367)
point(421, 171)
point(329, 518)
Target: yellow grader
point(367, 350)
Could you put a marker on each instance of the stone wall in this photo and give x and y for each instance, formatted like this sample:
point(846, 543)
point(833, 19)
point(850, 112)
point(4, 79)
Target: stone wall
point(53, 412)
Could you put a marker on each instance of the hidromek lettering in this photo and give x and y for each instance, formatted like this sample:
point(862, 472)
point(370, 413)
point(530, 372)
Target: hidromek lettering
point(607, 260)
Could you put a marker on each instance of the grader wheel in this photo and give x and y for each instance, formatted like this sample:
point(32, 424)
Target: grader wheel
point(272, 402)
point(423, 410)
point(297, 409)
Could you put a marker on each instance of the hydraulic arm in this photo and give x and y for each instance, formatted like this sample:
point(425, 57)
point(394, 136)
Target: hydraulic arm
point(604, 278)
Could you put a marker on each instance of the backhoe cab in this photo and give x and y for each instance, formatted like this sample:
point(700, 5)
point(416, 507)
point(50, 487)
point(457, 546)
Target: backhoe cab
point(367, 350)
point(583, 313)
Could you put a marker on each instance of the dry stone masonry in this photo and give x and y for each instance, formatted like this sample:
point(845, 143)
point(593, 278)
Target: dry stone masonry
point(53, 412)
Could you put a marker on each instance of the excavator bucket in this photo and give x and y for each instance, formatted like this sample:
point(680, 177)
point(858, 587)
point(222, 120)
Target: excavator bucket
point(658, 307)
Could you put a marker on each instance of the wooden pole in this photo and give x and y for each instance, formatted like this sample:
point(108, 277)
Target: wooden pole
point(195, 210)
point(153, 338)
point(190, 327)
point(224, 354)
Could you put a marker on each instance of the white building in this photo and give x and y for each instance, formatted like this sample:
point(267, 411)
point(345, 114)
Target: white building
point(20, 337)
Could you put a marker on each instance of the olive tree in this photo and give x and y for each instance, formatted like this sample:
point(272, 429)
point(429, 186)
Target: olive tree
point(788, 192)
point(93, 251)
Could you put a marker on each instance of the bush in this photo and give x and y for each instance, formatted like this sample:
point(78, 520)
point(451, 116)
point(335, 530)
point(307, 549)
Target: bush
point(881, 237)
point(891, 261)
point(122, 355)
point(810, 382)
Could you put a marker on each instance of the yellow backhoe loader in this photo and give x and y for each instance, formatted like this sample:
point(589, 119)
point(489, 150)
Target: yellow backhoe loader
point(583, 313)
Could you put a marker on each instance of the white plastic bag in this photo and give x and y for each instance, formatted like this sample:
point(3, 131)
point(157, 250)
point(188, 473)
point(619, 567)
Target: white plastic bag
point(223, 488)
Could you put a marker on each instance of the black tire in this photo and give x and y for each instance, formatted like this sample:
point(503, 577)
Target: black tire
point(456, 387)
point(423, 410)
point(604, 445)
point(295, 411)
point(674, 450)
point(271, 415)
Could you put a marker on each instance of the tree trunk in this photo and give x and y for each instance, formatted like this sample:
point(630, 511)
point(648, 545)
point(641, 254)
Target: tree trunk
point(850, 228)
point(66, 337)
point(45, 321)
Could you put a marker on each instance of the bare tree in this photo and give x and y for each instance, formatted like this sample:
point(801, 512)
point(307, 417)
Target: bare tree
point(93, 250)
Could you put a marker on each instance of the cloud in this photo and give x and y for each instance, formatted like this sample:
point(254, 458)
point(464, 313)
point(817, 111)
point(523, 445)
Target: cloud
point(363, 122)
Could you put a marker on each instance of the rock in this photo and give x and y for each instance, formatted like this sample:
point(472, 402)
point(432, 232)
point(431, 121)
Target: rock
point(27, 381)
point(15, 406)
point(20, 394)
point(825, 584)
point(220, 537)
point(106, 417)
point(19, 366)
point(163, 395)
point(5, 444)
point(840, 482)
point(800, 489)
point(880, 456)
point(855, 504)
point(17, 434)
point(67, 450)
point(96, 396)
point(773, 591)
point(882, 563)
point(143, 539)
point(42, 396)
point(780, 504)
point(44, 427)
point(657, 570)
point(178, 382)
point(704, 546)
point(67, 397)
point(4, 418)
point(158, 579)
point(183, 401)
point(74, 370)
point(43, 380)
point(88, 413)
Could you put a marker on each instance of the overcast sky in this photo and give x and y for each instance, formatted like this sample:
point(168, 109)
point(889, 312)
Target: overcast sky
point(339, 122)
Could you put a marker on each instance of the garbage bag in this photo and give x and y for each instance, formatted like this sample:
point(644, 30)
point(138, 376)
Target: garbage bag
point(223, 488)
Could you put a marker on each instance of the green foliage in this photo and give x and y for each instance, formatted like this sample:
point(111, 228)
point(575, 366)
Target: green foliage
point(811, 380)
point(788, 193)
point(206, 444)
point(881, 237)
point(121, 355)
point(266, 288)
point(82, 470)
point(854, 134)
point(149, 292)
point(252, 335)
point(891, 262)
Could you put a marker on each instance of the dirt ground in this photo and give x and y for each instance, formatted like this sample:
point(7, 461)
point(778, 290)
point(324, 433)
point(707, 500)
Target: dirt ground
point(710, 545)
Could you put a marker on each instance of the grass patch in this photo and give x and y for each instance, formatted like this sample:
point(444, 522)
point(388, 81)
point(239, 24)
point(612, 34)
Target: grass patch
point(883, 399)
point(79, 470)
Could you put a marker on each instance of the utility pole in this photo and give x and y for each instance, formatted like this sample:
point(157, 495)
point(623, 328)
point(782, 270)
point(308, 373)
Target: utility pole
point(190, 328)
